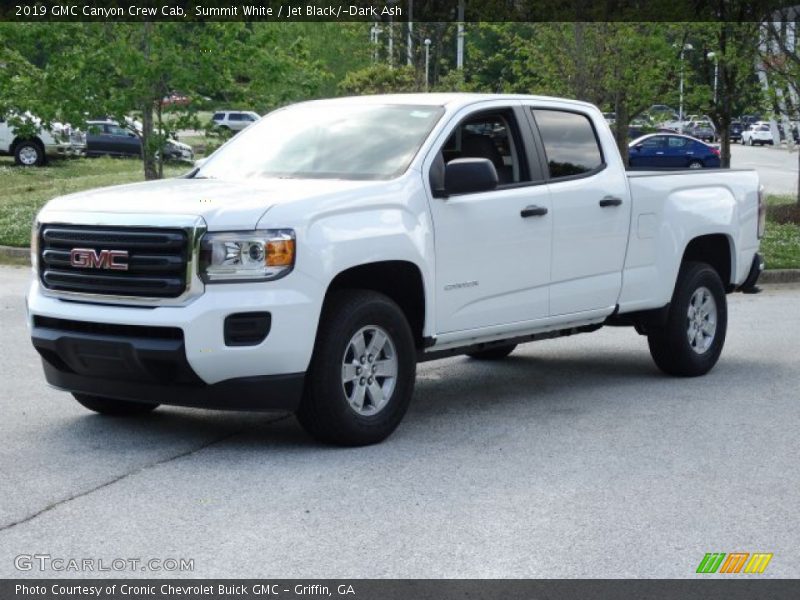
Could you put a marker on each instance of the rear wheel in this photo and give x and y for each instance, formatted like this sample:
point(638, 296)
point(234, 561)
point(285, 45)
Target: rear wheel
point(695, 164)
point(691, 340)
point(496, 353)
point(112, 407)
point(362, 373)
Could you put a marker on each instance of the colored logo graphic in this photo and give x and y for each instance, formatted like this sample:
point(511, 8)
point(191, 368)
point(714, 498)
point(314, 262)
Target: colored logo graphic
point(736, 562)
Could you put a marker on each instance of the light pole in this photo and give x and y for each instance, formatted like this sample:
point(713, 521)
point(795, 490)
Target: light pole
point(409, 47)
point(716, 72)
point(460, 37)
point(374, 36)
point(680, 108)
point(391, 36)
point(427, 62)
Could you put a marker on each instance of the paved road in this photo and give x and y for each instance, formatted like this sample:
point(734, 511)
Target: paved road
point(776, 166)
point(574, 458)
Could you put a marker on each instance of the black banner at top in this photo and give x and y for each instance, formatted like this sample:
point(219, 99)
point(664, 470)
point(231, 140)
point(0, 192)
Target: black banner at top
point(397, 10)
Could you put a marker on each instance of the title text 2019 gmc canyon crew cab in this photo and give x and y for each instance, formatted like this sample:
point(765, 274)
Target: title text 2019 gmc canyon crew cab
point(314, 259)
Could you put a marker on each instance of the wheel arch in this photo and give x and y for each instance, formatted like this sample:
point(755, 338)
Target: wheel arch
point(18, 140)
point(717, 250)
point(400, 280)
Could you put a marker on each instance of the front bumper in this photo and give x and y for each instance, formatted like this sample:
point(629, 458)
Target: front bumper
point(148, 364)
point(294, 306)
point(65, 149)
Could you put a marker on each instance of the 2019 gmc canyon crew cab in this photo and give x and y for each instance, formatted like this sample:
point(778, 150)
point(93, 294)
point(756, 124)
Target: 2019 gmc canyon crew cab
point(314, 259)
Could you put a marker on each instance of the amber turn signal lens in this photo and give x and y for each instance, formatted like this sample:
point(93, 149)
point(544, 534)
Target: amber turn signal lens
point(280, 253)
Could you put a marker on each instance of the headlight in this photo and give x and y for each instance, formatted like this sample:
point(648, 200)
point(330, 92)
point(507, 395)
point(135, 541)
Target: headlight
point(247, 255)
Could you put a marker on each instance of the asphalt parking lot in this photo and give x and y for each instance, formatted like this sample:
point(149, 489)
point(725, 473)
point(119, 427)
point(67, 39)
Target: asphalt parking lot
point(573, 458)
point(777, 168)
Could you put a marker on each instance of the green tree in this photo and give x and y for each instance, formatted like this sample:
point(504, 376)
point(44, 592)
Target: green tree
point(379, 78)
point(71, 71)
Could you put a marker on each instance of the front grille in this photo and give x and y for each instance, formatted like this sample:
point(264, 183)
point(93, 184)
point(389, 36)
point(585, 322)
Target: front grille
point(156, 261)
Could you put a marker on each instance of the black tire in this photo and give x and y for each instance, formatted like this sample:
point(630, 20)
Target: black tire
point(695, 164)
point(324, 411)
point(25, 150)
point(112, 407)
point(670, 346)
point(496, 353)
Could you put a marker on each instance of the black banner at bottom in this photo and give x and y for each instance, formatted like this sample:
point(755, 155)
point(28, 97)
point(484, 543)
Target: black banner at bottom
point(399, 589)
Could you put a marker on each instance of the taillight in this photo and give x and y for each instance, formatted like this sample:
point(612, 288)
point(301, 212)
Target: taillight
point(715, 151)
point(762, 212)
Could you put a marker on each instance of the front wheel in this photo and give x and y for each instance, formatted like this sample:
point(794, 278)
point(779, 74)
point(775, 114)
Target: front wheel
point(362, 372)
point(29, 154)
point(112, 407)
point(695, 164)
point(690, 341)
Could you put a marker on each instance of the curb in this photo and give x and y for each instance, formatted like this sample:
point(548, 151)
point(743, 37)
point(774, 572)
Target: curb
point(9, 254)
point(780, 276)
point(15, 256)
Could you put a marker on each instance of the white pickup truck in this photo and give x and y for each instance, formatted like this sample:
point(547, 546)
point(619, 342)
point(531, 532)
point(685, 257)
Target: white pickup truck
point(33, 151)
point(315, 258)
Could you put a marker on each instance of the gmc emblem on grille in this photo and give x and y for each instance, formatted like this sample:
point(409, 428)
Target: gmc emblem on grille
point(87, 258)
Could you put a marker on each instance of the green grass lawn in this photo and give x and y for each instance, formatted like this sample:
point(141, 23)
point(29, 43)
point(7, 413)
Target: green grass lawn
point(781, 243)
point(23, 191)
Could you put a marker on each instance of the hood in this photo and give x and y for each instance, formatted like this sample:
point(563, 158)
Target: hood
point(225, 205)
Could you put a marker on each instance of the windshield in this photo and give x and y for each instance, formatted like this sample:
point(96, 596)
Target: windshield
point(326, 141)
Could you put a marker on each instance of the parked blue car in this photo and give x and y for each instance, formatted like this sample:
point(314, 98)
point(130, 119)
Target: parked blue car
point(672, 151)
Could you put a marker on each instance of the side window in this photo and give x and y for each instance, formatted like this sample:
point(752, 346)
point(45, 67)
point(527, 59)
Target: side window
point(569, 142)
point(235, 117)
point(218, 117)
point(677, 142)
point(118, 131)
point(657, 141)
point(495, 136)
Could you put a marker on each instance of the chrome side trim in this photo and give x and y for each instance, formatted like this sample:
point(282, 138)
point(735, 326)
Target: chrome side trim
point(194, 227)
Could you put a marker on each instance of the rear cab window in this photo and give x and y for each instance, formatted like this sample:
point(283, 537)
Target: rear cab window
point(570, 143)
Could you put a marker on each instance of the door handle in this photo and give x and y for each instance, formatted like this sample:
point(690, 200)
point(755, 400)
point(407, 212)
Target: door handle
point(533, 211)
point(610, 201)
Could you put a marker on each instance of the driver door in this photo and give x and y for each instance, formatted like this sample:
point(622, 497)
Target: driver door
point(492, 248)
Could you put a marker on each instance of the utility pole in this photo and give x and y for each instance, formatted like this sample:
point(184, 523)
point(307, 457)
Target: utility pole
point(427, 62)
point(460, 37)
point(409, 33)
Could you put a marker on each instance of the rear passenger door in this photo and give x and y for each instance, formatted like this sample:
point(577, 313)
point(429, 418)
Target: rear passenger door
point(591, 211)
point(679, 151)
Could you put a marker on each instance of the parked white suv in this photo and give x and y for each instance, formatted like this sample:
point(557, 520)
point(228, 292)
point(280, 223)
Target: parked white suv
point(759, 133)
point(235, 120)
point(58, 141)
point(314, 259)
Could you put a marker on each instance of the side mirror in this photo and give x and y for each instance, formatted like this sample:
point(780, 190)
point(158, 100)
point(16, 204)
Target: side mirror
point(469, 175)
point(638, 147)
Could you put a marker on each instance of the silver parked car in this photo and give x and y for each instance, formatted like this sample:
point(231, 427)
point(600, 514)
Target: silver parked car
point(234, 120)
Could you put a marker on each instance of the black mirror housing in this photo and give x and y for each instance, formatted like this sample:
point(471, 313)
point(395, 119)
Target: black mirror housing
point(469, 175)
